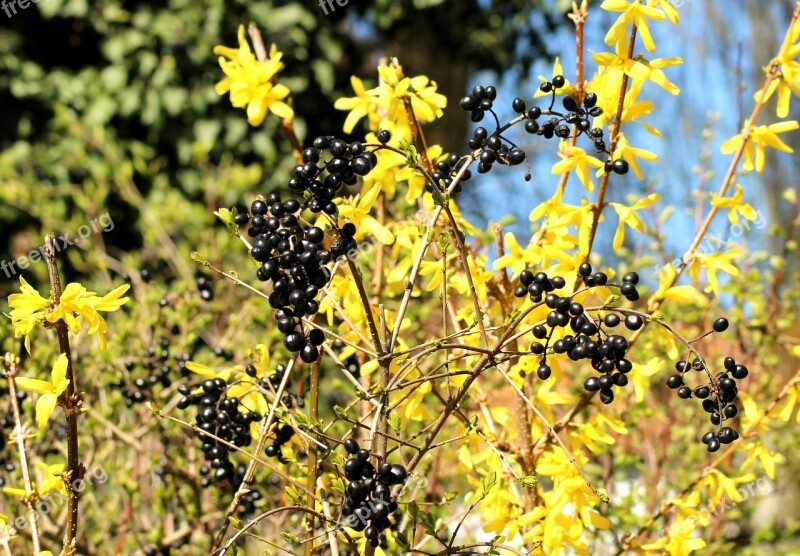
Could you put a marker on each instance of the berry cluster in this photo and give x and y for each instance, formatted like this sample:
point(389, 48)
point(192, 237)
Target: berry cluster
point(154, 369)
point(627, 288)
point(718, 395)
point(606, 351)
point(368, 501)
point(225, 418)
point(292, 253)
point(446, 171)
point(275, 379)
point(559, 124)
point(479, 102)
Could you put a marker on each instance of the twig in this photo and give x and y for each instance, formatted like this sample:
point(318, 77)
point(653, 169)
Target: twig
point(71, 403)
point(11, 369)
point(311, 474)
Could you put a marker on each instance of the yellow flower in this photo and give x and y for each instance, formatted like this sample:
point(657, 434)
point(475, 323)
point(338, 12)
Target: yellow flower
point(668, 9)
point(77, 302)
point(680, 542)
point(575, 158)
point(627, 215)
point(639, 67)
point(50, 391)
point(251, 81)
point(28, 310)
point(788, 80)
point(52, 478)
point(630, 154)
point(517, 257)
point(735, 206)
point(384, 107)
point(360, 105)
point(358, 214)
point(760, 137)
point(632, 12)
point(209, 373)
point(712, 263)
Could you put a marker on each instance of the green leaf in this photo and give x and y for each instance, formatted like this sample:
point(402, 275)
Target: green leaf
point(225, 215)
point(340, 413)
point(413, 510)
point(337, 485)
point(291, 539)
point(302, 421)
point(235, 522)
point(428, 523)
point(528, 481)
point(394, 421)
point(336, 458)
point(292, 493)
point(401, 539)
point(197, 258)
point(488, 482)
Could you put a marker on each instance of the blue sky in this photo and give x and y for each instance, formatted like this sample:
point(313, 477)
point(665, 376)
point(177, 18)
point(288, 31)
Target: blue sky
point(708, 82)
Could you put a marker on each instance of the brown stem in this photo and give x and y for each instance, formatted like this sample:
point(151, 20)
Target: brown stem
point(311, 476)
point(597, 208)
point(11, 368)
point(71, 403)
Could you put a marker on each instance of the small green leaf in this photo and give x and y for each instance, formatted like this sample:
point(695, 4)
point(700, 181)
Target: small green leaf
point(488, 482)
point(394, 421)
point(340, 413)
point(302, 421)
point(292, 493)
point(224, 215)
point(235, 522)
point(337, 485)
point(428, 523)
point(528, 481)
point(413, 510)
point(401, 539)
point(291, 539)
point(197, 258)
point(336, 458)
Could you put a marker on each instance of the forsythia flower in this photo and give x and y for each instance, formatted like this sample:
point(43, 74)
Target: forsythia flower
point(50, 391)
point(575, 158)
point(632, 12)
point(251, 81)
point(627, 215)
point(760, 137)
point(358, 214)
point(384, 107)
point(52, 478)
point(639, 67)
point(680, 543)
point(76, 303)
point(735, 205)
point(788, 80)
